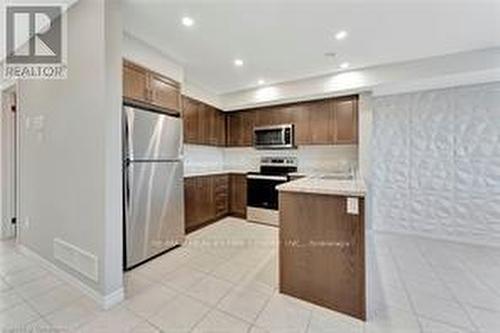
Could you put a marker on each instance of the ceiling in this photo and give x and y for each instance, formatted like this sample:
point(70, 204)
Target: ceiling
point(285, 40)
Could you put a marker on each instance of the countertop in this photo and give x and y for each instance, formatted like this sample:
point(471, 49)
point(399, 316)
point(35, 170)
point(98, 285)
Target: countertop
point(317, 185)
point(201, 172)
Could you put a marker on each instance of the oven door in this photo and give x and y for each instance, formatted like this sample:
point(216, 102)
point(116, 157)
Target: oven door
point(261, 191)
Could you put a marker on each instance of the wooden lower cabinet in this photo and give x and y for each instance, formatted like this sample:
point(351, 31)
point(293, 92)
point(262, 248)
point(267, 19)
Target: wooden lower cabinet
point(238, 195)
point(198, 202)
point(210, 198)
point(322, 252)
point(221, 195)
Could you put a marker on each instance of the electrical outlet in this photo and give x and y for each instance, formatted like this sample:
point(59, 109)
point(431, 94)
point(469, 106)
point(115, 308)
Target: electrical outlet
point(353, 206)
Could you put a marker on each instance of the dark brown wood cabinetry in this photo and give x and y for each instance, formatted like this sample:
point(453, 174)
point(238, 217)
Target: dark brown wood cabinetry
point(221, 195)
point(238, 195)
point(203, 124)
point(345, 121)
point(323, 122)
point(146, 88)
point(322, 261)
point(135, 82)
point(198, 202)
point(240, 128)
point(209, 198)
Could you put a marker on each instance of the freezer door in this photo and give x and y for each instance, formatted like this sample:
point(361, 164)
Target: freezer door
point(151, 136)
point(154, 209)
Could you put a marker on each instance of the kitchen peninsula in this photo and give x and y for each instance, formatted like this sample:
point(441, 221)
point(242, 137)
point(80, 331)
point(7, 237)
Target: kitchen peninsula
point(322, 242)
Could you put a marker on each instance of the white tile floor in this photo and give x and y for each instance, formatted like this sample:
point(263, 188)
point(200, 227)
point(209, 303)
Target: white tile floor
point(225, 280)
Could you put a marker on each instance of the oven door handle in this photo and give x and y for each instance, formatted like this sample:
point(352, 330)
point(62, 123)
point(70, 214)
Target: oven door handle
point(266, 177)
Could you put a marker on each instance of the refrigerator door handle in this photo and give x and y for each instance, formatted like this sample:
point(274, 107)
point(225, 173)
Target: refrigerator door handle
point(127, 135)
point(127, 184)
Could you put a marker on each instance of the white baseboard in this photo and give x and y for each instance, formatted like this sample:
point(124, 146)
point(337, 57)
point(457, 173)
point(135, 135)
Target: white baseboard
point(105, 301)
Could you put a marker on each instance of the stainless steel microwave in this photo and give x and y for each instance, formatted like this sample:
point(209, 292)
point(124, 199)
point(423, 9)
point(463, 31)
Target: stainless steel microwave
point(274, 137)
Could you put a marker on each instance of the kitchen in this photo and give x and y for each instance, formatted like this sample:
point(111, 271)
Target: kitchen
point(259, 167)
point(254, 173)
point(212, 192)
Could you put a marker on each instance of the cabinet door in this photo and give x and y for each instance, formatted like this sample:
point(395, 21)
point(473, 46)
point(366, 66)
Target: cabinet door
point(212, 123)
point(221, 189)
point(345, 120)
point(165, 93)
point(301, 121)
point(238, 195)
point(220, 128)
point(206, 199)
point(247, 125)
point(205, 121)
point(320, 122)
point(190, 120)
point(190, 203)
point(235, 129)
point(135, 86)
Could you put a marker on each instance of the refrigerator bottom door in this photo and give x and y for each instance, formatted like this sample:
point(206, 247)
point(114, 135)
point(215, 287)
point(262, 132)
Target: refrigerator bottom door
point(154, 209)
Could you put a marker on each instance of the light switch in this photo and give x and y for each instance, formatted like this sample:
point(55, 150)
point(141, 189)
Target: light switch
point(353, 206)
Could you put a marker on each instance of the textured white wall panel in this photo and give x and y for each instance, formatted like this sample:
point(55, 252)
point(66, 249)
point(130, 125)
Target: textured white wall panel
point(435, 167)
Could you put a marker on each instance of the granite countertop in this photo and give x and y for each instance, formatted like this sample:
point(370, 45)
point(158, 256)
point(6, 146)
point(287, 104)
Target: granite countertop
point(317, 185)
point(202, 172)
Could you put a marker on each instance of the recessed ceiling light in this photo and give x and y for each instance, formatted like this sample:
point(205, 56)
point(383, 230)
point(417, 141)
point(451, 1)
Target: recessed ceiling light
point(344, 65)
point(187, 21)
point(238, 62)
point(261, 82)
point(341, 35)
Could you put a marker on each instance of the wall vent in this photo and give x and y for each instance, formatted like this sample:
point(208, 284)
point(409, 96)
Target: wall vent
point(81, 261)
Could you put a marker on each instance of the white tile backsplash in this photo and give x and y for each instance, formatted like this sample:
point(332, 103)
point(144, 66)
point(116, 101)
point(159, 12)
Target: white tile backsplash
point(435, 163)
point(311, 159)
point(198, 158)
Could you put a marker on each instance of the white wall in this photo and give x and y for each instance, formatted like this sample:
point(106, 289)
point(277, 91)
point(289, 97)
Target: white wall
point(365, 125)
point(146, 55)
point(435, 167)
point(70, 150)
point(7, 164)
point(150, 57)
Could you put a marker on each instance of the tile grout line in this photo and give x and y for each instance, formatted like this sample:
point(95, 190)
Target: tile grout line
point(476, 328)
point(405, 288)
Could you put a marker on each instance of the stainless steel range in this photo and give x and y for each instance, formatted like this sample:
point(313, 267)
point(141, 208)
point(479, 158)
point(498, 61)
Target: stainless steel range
point(262, 196)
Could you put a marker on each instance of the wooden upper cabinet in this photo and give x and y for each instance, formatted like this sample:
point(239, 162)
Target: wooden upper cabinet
point(190, 120)
point(240, 128)
point(146, 88)
point(165, 93)
point(313, 125)
point(345, 120)
point(135, 82)
point(320, 122)
point(220, 128)
point(203, 124)
point(301, 120)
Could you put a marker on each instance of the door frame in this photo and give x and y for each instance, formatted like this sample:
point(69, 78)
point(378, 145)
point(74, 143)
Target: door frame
point(6, 93)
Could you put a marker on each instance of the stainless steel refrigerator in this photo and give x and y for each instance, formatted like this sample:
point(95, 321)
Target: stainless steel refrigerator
point(153, 184)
